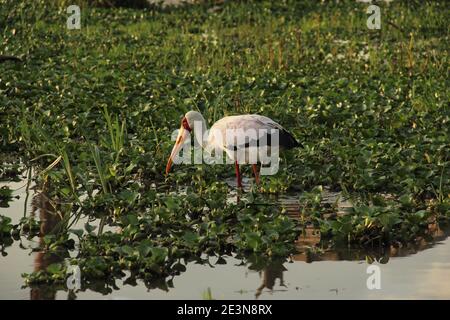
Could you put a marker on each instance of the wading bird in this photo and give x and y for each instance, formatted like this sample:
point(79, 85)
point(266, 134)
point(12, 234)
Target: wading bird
point(241, 124)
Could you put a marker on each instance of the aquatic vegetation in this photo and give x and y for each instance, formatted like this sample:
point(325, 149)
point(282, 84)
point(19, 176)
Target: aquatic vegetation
point(6, 230)
point(5, 226)
point(94, 122)
point(5, 196)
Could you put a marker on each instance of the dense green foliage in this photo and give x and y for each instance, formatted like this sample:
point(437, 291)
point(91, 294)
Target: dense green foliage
point(93, 111)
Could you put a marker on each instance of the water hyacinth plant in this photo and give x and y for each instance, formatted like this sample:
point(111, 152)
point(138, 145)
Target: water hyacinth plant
point(88, 115)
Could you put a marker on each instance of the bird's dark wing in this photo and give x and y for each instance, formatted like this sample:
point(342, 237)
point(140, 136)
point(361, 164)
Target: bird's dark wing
point(285, 141)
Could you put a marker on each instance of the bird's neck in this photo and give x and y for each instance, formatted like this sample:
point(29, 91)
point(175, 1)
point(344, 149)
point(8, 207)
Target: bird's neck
point(199, 131)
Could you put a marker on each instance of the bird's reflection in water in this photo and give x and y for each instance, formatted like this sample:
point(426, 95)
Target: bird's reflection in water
point(42, 207)
point(269, 276)
point(273, 271)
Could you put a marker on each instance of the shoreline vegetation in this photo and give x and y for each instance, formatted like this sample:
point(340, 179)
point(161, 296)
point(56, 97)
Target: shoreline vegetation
point(87, 115)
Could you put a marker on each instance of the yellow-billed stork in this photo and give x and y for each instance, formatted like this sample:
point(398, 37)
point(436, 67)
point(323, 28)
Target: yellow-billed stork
point(242, 123)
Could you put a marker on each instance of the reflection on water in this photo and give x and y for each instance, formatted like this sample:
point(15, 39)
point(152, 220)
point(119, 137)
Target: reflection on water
point(381, 254)
point(277, 278)
point(310, 239)
point(273, 272)
point(42, 207)
point(269, 275)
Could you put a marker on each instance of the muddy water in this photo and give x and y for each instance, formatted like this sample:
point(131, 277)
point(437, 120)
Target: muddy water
point(420, 271)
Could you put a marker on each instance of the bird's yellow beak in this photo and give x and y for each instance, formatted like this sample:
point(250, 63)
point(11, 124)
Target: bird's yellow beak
point(182, 135)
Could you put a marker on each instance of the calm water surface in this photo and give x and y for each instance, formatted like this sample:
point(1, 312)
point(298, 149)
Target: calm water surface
point(422, 271)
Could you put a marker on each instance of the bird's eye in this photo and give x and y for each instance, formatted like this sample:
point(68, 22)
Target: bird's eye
point(185, 124)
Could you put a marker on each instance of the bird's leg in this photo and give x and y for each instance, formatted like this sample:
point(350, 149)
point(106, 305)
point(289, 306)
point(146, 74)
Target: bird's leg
point(238, 175)
point(256, 173)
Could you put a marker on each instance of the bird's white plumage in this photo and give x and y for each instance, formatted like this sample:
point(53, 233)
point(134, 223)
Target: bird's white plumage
point(244, 124)
point(250, 133)
point(247, 127)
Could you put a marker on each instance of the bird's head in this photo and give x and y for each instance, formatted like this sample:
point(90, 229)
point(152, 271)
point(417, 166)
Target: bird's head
point(190, 121)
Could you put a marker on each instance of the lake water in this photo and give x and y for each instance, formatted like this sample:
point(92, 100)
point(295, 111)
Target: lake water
point(420, 271)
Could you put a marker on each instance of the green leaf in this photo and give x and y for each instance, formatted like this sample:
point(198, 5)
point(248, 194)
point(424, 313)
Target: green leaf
point(89, 228)
point(421, 214)
point(54, 268)
point(128, 196)
point(253, 240)
point(144, 248)
point(128, 250)
point(191, 238)
point(77, 232)
point(131, 219)
point(159, 254)
point(171, 204)
point(179, 267)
